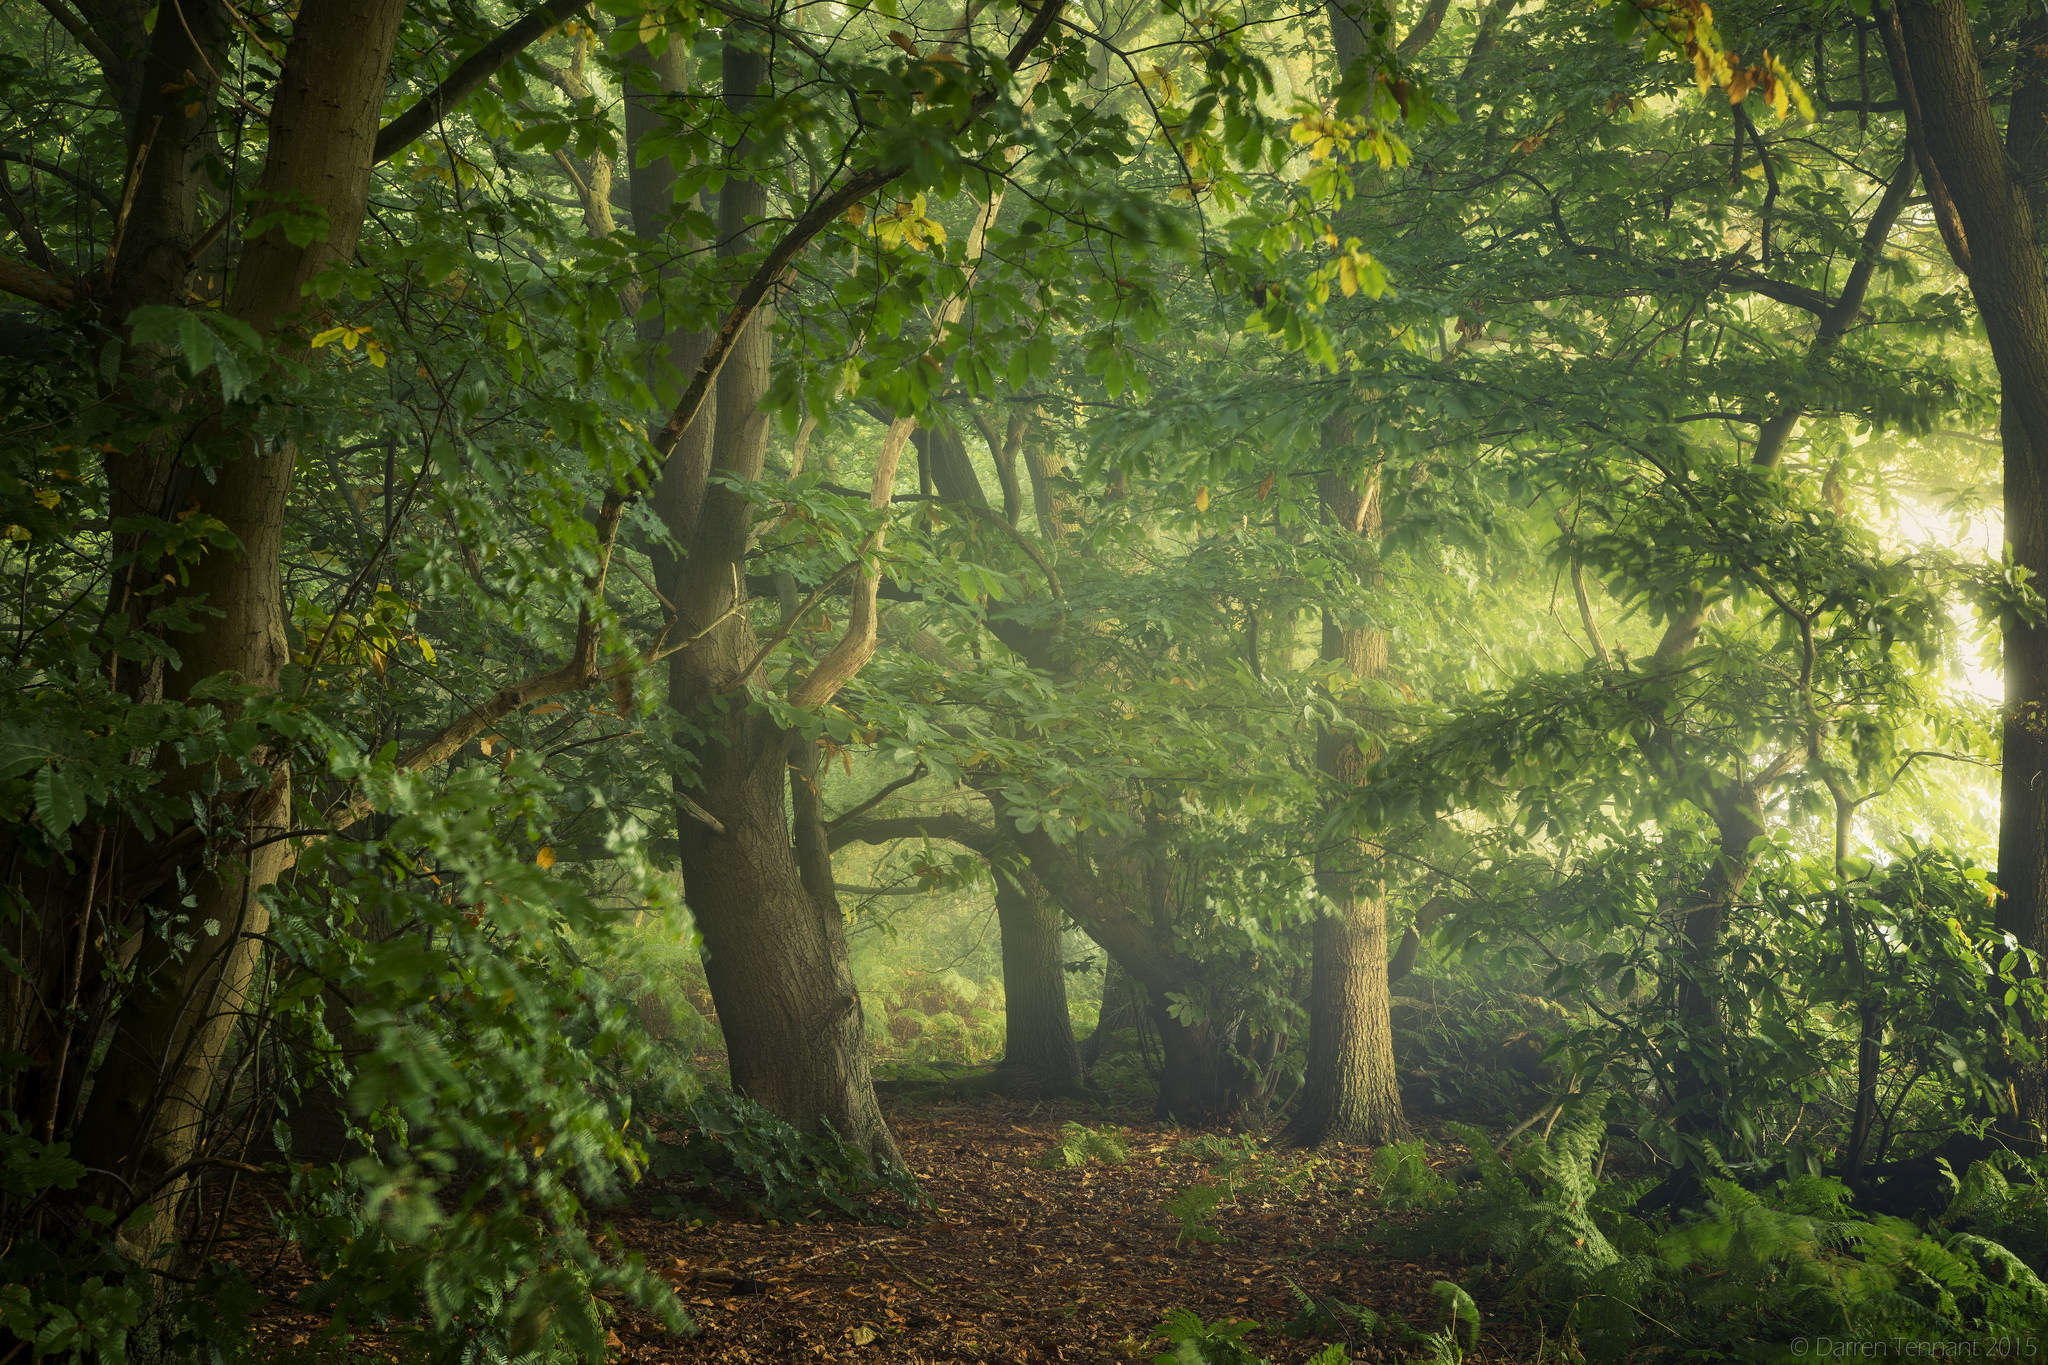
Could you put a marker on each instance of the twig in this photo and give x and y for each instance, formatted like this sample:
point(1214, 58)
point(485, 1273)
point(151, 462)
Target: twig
point(929, 1289)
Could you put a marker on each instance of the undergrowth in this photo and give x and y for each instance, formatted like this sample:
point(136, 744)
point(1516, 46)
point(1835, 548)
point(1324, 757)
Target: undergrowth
point(1747, 1277)
point(738, 1153)
point(1079, 1144)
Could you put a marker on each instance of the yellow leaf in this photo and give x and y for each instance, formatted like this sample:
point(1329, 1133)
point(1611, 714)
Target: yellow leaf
point(1202, 498)
point(48, 497)
point(489, 742)
point(332, 334)
point(546, 857)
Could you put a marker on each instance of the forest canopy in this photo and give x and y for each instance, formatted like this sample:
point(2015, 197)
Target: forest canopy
point(602, 603)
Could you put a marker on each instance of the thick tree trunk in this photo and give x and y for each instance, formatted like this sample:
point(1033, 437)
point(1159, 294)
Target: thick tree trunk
point(775, 958)
point(147, 1114)
point(2022, 908)
point(1040, 1058)
point(1349, 1090)
point(149, 1099)
point(1990, 192)
point(777, 966)
point(1203, 1080)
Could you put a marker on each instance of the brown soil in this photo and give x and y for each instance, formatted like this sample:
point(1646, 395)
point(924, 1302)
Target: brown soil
point(1020, 1263)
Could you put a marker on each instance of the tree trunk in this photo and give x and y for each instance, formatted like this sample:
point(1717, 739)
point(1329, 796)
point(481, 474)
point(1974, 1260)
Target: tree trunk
point(149, 1099)
point(1701, 1083)
point(1989, 189)
point(1040, 1058)
point(1202, 1080)
point(1118, 1011)
point(1349, 1091)
point(775, 958)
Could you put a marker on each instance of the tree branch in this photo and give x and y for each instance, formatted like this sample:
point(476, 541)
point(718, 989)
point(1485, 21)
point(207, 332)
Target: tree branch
point(71, 178)
point(27, 282)
point(952, 826)
point(469, 75)
point(82, 34)
point(916, 774)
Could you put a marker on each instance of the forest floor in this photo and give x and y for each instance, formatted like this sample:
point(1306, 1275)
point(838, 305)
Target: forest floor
point(1020, 1262)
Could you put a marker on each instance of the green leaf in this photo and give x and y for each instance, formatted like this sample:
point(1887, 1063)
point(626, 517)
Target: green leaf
point(60, 799)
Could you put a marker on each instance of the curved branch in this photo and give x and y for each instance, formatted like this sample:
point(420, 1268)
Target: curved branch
point(82, 34)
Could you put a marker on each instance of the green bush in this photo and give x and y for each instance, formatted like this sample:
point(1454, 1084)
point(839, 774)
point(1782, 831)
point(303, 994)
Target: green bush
point(1740, 1278)
point(738, 1153)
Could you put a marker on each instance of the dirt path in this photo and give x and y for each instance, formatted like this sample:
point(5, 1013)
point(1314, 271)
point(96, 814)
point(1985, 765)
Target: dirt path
point(1026, 1264)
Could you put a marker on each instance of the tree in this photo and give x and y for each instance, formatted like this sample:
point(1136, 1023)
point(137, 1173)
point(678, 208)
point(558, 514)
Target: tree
point(1995, 186)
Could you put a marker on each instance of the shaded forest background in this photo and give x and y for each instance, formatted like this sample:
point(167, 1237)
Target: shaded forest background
point(1444, 594)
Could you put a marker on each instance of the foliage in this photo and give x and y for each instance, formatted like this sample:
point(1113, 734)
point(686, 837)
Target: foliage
point(737, 1153)
point(1079, 1144)
point(1671, 747)
point(1195, 1342)
point(1745, 1275)
point(926, 1018)
point(66, 1292)
point(1403, 1177)
point(1194, 1206)
point(1329, 1316)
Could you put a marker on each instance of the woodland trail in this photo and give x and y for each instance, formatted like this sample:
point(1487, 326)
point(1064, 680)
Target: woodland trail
point(1017, 1262)
point(1020, 1263)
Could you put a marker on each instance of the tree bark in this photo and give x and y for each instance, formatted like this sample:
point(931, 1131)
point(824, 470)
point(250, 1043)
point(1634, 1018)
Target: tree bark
point(776, 961)
point(1039, 1059)
point(148, 1103)
point(1203, 1080)
point(1349, 1090)
point(1990, 191)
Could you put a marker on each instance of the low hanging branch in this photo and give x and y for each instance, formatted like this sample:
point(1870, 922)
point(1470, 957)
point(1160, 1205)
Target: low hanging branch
point(579, 674)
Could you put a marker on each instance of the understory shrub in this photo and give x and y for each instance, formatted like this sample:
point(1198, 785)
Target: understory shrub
point(919, 1019)
point(732, 1150)
point(1743, 1277)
